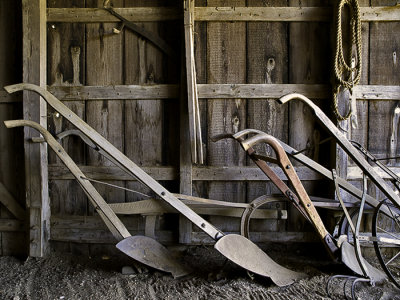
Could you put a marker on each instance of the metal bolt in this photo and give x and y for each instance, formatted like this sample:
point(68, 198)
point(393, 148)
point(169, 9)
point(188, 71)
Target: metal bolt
point(203, 225)
point(288, 167)
point(162, 193)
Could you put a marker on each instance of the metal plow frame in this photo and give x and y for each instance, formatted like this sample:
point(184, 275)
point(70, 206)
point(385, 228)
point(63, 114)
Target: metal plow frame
point(348, 255)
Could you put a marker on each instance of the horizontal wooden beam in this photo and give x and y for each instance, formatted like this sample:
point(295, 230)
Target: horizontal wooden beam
point(11, 225)
point(377, 92)
point(7, 98)
point(218, 91)
point(59, 172)
point(291, 14)
point(269, 14)
point(244, 14)
point(247, 174)
point(90, 229)
point(261, 91)
point(200, 238)
point(117, 92)
point(354, 172)
point(93, 15)
point(11, 204)
point(157, 207)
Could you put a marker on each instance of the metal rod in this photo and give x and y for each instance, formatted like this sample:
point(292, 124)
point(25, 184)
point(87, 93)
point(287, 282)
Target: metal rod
point(115, 186)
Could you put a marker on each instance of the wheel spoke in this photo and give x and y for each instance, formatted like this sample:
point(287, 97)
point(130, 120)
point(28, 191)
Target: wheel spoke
point(393, 258)
point(393, 216)
point(387, 232)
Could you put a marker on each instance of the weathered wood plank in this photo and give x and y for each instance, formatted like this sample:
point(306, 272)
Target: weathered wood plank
point(227, 13)
point(11, 204)
point(290, 14)
point(84, 229)
point(191, 84)
point(260, 90)
point(354, 172)
point(144, 119)
point(185, 158)
point(308, 55)
point(7, 98)
point(104, 66)
point(118, 92)
point(263, 237)
point(209, 173)
point(215, 91)
point(34, 71)
point(267, 57)
point(359, 134)
point(11, 225)
point(98, 15)
point(237, 173)
point(384, 69)
point(66, 67)
point(226, 63)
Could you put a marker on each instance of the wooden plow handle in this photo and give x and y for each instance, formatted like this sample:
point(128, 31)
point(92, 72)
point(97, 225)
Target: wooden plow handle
point(113, 223)
point(351, 151)
point(119, 158)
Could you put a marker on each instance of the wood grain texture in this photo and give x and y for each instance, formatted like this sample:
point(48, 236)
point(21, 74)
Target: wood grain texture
point(226, 63)
point(216, 91)
point(359, 134)
point(144, 119)
point(66, 67)
point(104, 66)
point(308, 56)
point(225, 13)
point(267, 64)
point(204, 173)
point(384, 69)
point(97, 15)
point(34, 71)
point(117, 92)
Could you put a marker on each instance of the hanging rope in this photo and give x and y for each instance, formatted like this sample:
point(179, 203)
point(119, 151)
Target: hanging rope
point(341, 68)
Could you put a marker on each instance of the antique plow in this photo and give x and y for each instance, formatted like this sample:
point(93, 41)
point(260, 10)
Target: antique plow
point(143, 249)
point(351, 151)
point(386, 211)
point(235, 247)
point(299, 198)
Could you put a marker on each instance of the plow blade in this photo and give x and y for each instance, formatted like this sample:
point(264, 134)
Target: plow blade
point(248, 255)
point(349, 258)
point(151, 253)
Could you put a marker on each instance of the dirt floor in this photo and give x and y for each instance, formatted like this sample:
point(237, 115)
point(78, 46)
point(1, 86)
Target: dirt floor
point(67, 276)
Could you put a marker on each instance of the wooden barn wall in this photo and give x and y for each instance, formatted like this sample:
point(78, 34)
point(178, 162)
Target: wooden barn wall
point(12, 237)
point(149, 132)
point(145, 130)
point(378, 120)
point(259, 53)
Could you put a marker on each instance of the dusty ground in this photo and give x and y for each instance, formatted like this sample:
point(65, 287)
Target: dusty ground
point(66, 276)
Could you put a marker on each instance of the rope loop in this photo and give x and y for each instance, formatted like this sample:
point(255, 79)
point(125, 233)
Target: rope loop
point(341, 67)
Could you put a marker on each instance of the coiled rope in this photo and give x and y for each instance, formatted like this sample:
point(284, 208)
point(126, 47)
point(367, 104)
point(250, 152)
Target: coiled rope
point(341, 68)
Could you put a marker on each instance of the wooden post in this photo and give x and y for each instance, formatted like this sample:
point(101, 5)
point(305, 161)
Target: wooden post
point(35, 109)
point(185, 163)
